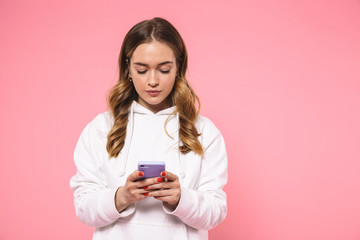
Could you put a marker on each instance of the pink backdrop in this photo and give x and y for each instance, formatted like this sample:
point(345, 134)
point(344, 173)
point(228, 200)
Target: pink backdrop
point(281, 79)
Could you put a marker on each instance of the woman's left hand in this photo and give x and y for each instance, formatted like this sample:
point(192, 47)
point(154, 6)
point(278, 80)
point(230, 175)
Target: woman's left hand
point(167, 191)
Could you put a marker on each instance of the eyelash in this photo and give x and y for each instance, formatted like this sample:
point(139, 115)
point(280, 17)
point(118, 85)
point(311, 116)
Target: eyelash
point(143, 72)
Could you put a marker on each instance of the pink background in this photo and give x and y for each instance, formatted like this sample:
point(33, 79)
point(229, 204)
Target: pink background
point(281, 80)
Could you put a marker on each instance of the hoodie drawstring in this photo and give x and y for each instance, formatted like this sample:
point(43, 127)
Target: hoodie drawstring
point(182, 173)
point(130, 134)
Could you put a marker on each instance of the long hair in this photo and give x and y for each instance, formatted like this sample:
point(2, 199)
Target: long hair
point(182, 95)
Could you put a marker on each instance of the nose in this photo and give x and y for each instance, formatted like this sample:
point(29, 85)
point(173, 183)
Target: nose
point(153, 80)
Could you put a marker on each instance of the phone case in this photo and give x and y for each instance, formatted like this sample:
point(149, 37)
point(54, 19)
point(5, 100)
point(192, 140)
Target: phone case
point(151, 168)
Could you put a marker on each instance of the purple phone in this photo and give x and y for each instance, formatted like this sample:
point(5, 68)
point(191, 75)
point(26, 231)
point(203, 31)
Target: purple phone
point(151, 168)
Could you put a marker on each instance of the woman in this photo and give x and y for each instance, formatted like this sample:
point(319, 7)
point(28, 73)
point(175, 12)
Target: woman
point(152, 117)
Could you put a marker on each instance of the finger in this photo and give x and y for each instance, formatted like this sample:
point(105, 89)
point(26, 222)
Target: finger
point(139, 191)
point(135, 175)
point(170, 200)
point(175, 193)
point(161, 193)
point(170, 196)
point(148, 182)
point(165, 185)
point(170, 176)
point(143, 183)
point(138, 194)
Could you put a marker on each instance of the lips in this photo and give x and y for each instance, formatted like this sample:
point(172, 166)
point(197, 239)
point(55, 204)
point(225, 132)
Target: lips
point(153, 93)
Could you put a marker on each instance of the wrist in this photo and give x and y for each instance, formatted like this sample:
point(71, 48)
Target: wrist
point(120, 201)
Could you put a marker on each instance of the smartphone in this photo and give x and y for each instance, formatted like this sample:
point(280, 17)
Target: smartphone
point(151, 168)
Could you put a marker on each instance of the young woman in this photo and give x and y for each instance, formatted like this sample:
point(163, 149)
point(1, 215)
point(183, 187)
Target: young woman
point(152, 117)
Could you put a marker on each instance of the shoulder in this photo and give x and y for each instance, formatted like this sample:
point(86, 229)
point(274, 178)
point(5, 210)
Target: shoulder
point(207, 129)
point(101, 124)
point(93, 139)
point(204, 124)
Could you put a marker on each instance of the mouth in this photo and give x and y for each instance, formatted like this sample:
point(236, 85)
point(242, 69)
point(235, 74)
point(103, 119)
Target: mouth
point(153, 93)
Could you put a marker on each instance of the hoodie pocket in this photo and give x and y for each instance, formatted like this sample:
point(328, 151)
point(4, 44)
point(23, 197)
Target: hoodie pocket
point(125, 230)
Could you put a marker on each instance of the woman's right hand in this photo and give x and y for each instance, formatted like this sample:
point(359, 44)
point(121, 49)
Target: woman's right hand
point(132, 191)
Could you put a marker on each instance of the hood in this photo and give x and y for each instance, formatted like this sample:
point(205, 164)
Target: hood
point(139, 109)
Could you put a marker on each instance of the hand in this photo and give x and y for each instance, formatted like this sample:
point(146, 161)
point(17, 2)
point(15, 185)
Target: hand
point(132, 191)
point(167, 191)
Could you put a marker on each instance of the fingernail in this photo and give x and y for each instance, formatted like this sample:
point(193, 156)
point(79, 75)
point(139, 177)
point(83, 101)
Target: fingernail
point(163, 174)
point(159, 179)
point(145, 187)
point(141, 174)
point(146, 194)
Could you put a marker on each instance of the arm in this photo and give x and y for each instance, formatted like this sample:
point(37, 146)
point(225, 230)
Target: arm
point(205, 207)
point(94, 201)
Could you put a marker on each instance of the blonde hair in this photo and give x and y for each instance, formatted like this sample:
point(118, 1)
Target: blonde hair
point(182, 95)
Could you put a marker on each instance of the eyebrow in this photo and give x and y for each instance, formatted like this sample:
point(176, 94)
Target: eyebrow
point(145, 65)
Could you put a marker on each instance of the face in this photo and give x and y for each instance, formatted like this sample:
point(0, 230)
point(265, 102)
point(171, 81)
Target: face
point(153, 71)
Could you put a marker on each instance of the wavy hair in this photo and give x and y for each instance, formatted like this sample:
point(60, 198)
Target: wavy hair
point(182, 95)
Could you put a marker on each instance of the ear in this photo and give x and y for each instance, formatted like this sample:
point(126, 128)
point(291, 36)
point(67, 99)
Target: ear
point(129, 70)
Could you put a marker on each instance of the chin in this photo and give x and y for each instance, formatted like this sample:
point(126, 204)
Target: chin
point(155, 102)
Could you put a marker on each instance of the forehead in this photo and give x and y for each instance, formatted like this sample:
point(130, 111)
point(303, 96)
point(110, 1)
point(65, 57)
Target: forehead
point(152, 53)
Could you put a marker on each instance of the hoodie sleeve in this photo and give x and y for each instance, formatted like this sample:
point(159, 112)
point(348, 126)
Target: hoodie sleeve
point(205, 207)
point(94, 201)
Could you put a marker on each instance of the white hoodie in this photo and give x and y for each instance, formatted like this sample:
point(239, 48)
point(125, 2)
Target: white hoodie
point(202, 204)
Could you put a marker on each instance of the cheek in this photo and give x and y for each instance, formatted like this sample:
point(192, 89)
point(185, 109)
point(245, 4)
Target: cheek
point(139, 80)
point(139, 85)
point(169, 83)
point(169, 78)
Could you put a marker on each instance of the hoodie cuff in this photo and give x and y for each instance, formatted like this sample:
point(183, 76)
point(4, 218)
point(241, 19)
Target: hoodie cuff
point(108, 209)
point(185, 203)
point(127, 211)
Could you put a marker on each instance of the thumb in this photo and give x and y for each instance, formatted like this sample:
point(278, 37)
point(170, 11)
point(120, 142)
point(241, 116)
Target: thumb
point(135, 175)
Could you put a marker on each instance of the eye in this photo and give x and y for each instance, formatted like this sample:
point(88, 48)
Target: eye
point(165, 72)
point(141, 72)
